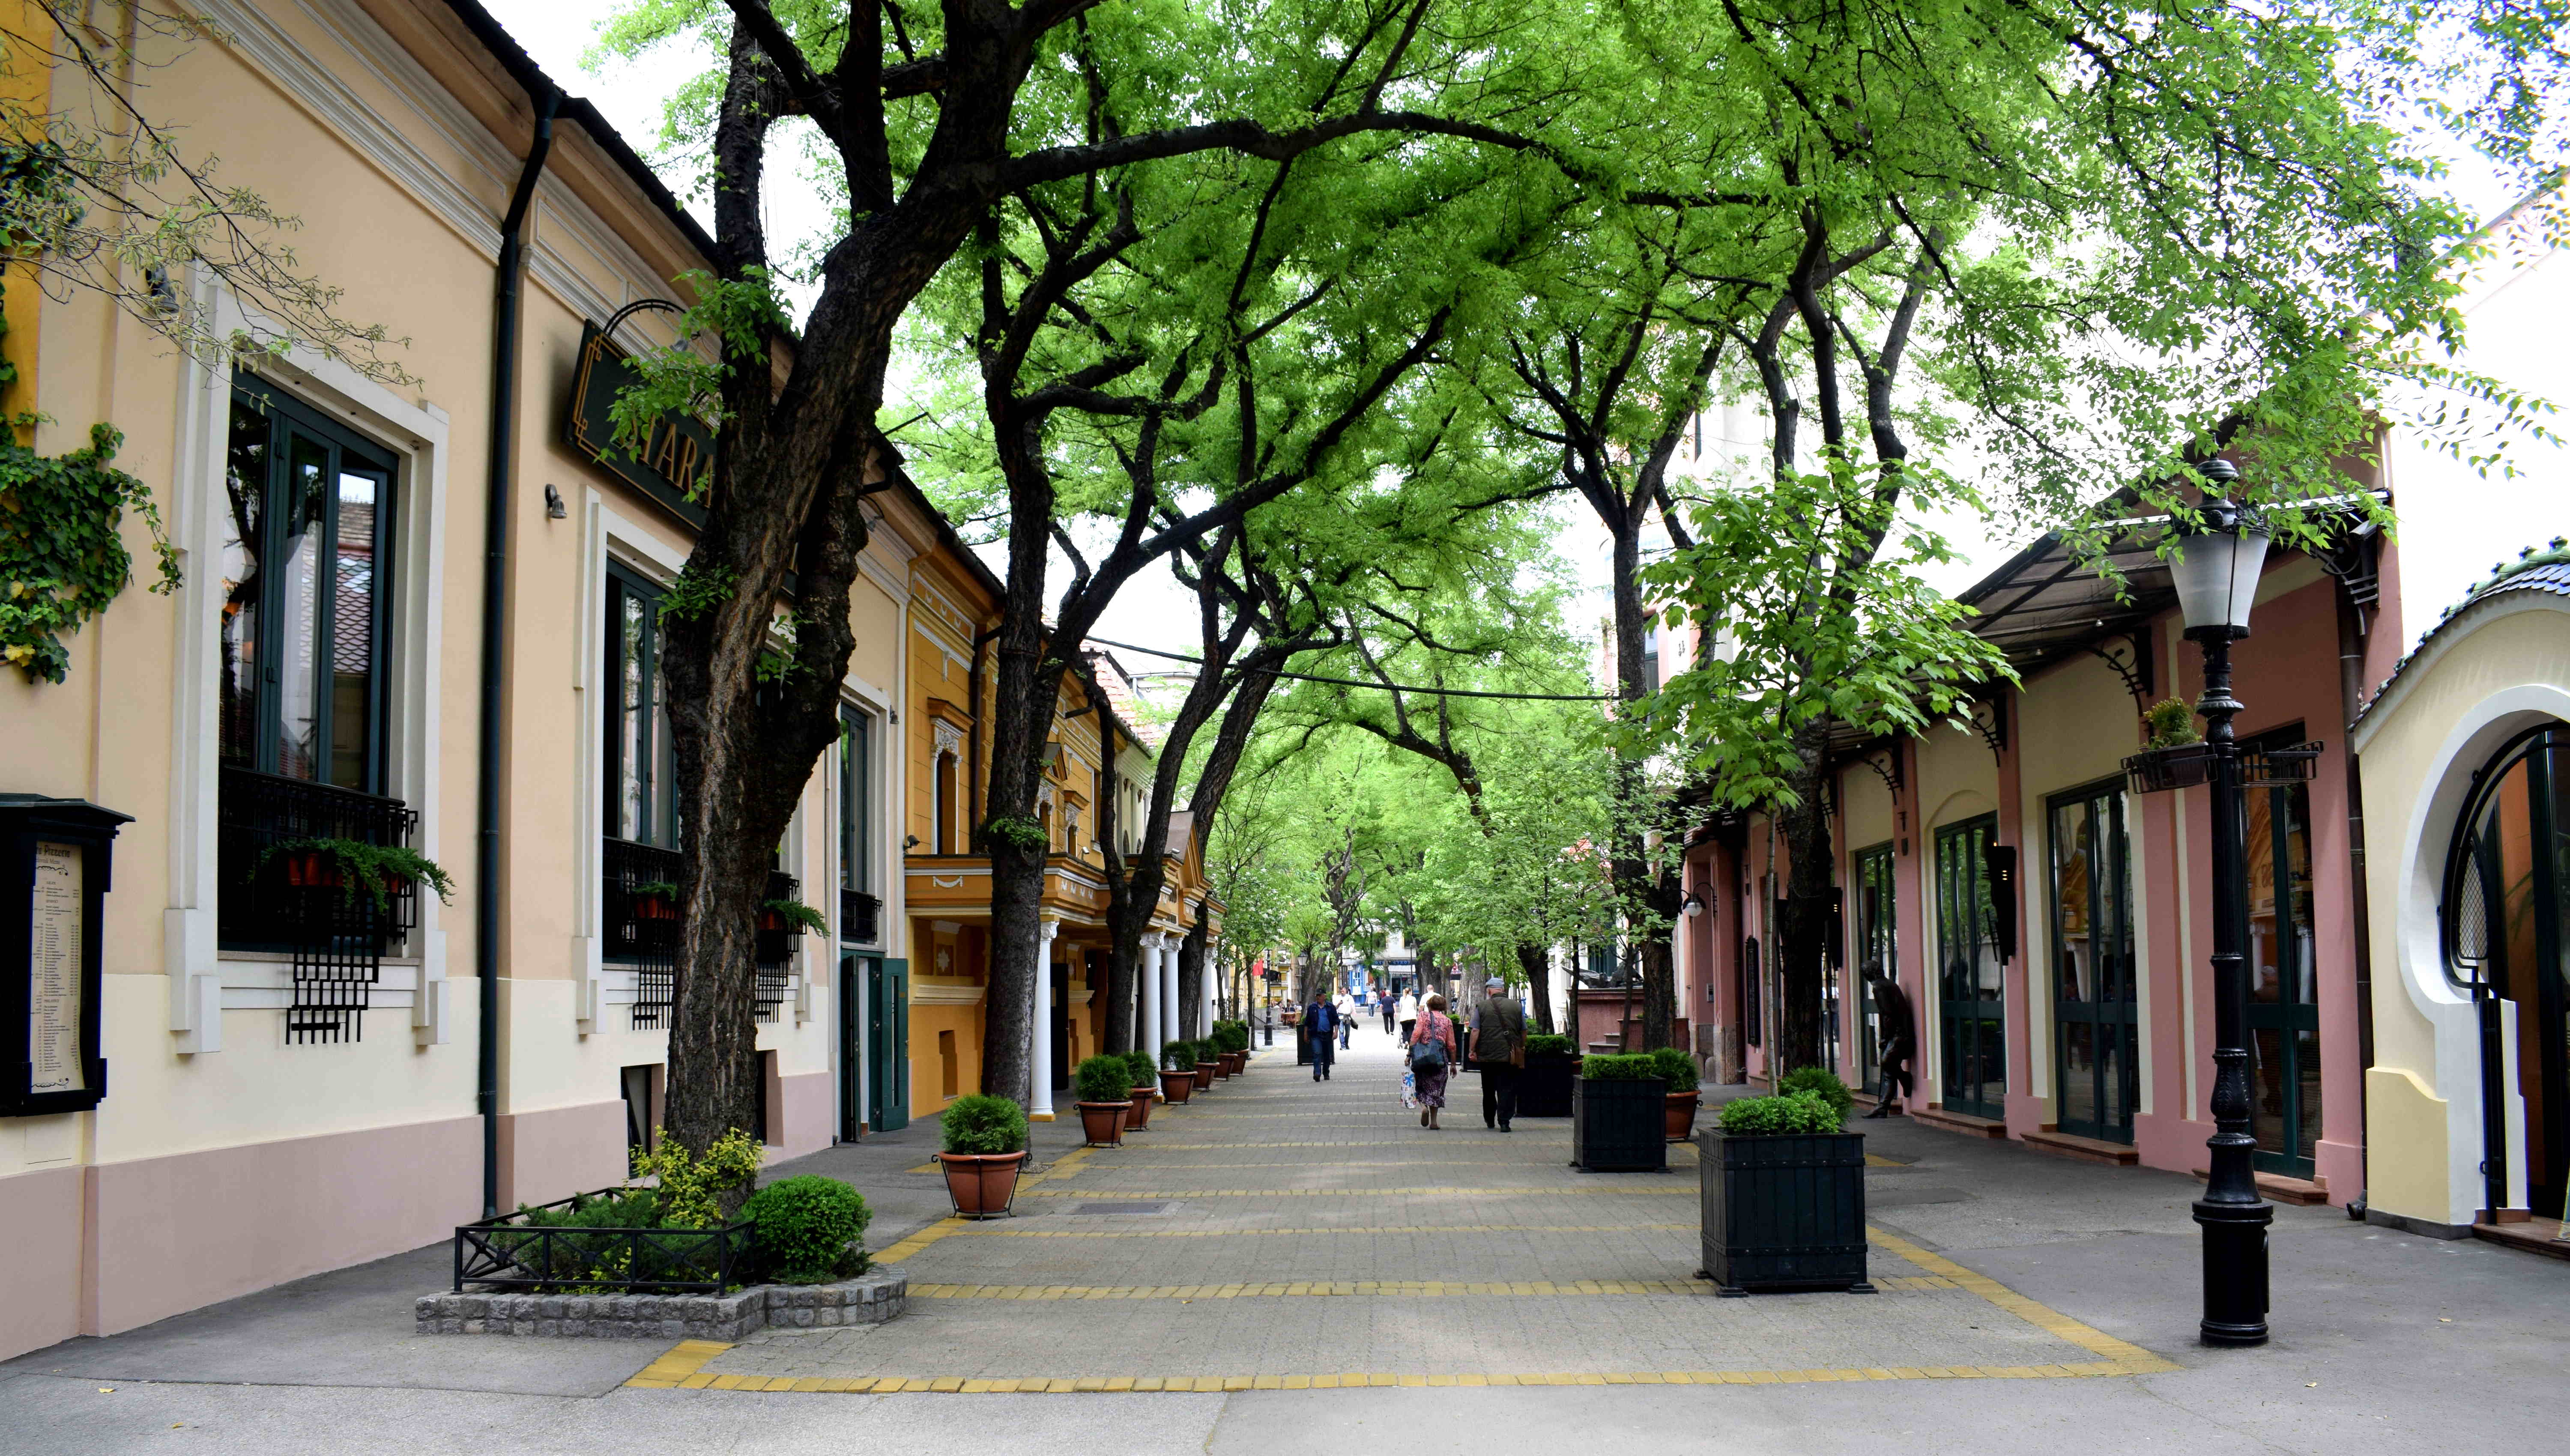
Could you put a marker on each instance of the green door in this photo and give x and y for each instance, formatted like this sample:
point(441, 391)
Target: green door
point(888, 1046)
point(1972, 1012)
point(1873, 928)
point(2096, 1032)
point(2284, 991)
point(853, 976)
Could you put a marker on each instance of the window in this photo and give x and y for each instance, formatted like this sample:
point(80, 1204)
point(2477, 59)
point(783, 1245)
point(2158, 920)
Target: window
point(941, 841)
point(2097, 1045)
point(641, 807)
point(306, 605)
point(856, 802)
point(2283, 979)
point(1875, 924)
point(1971, 1009)
point(1650, 660)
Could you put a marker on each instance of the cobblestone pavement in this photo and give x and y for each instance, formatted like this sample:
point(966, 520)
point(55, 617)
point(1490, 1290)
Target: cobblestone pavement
point(1283, 1233)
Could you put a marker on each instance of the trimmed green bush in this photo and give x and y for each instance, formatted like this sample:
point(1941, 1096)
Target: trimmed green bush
point(1803, 1113)
point(1822, 1083)
point(1544, 1044)
point(1634, 1067)
point(1231, 1035)
point(1178, 1057)
point(1676, 1068)
point(983, 1124)
point(1103, 1079)
point(1138, 1070)
point(808, 1229)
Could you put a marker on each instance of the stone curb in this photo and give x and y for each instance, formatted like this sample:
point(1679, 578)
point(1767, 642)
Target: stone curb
point(727, 1317)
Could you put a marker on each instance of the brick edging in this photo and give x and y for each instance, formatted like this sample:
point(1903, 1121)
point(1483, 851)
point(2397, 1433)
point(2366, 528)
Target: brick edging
point(870, 1301)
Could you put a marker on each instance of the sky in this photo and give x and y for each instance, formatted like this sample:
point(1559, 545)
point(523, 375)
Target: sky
point(1156, 611)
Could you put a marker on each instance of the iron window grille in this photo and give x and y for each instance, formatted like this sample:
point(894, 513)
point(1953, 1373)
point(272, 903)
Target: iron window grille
point(336, 932)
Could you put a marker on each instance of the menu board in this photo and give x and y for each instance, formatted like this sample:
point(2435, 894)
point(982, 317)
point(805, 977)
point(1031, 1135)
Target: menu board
point(54, 992)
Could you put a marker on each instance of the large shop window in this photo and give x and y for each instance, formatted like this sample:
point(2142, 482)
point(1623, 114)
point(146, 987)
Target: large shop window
point(2508, 939)
point(302, 700)
point(859, 909)
point(1874, 918)
point(2284, 991)
point(1972, 1010)
point(2096, 1033)
point(640, 863)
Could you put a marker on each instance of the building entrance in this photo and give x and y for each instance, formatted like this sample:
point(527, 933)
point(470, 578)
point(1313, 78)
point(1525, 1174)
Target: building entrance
point(2508, 905)
point(1971, 1009)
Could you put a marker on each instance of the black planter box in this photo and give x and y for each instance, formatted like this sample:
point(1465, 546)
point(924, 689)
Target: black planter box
point(1785, 1212)
point(1544, 1087)
point(1619, 1127)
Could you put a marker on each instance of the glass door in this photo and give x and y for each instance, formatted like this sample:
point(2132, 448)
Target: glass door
point(2096, 1032)
point(2516, 898)
point(1872, 951)
point(1972, 1012)
point(2284, 999)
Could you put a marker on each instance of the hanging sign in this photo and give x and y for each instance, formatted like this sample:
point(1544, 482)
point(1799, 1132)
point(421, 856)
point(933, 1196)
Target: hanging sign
point(675, 462)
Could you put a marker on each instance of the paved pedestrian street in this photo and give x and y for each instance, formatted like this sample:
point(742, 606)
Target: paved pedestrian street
point(1285, 1268)
point(1282, 1233)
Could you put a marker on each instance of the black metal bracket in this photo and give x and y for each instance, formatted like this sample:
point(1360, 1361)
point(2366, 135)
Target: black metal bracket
point(1993, 731)
point(1888, 771)
point(2355, 559)
point(2136, 673)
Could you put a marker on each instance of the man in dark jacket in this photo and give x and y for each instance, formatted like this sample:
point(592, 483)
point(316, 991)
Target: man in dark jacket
point(1320, 1023)
point(1899, 1041)
point(1499, 1050)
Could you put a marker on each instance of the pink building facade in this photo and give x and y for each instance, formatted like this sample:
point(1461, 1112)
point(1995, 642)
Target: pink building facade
point(2051, 927)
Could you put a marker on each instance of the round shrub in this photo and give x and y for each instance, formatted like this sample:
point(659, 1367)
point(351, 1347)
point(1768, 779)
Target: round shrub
point(1178, 1057)
point(806, 1228)
point(1821, 1083)
point(1618, 1067)
point(1103, 1079)
point(1231, 1035)
point(1545, 1044)
point(1138, 1070)
point(1675, 1068)
point(1803, 1113)
point(983, 1124)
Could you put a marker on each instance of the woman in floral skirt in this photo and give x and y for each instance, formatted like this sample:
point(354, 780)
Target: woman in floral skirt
point(1430, 1086)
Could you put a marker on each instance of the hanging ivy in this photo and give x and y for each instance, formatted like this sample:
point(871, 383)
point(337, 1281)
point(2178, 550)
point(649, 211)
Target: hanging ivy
point(61, 556)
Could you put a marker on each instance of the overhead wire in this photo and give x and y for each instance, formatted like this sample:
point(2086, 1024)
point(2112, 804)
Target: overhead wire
point(1437, 692)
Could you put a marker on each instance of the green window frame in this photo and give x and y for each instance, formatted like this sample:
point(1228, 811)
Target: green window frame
point(2094, 976)
point(1872, 927)
point(641, 770)
point(1971, 1002)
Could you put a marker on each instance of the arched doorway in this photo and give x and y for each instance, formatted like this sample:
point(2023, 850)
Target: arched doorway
point(2506, 906)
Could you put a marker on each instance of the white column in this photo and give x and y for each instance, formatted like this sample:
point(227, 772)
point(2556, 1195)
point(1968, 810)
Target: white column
point(1169, 980)
point(1039, 1102)
point(1148, 971)
point(1205, 989)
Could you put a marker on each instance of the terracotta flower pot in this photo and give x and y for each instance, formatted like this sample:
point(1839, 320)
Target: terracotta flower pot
point(1177, 1086)
point(1137, 1113)
point(1207, 1073)
point(1103, 1123)
point(1681, 1115)
point(1230, 1063)
point(312, 870)
point(655, 908)
point(982, 1185)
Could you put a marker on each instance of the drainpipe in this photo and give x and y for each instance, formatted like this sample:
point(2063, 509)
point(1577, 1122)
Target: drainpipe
point(495, 635)
point(2350, 690)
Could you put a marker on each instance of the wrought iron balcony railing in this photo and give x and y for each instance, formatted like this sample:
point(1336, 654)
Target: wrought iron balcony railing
point(860, 917)
point(301, 902)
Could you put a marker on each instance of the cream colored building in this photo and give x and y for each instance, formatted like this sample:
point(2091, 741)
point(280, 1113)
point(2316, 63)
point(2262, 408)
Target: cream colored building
point(275, 1109)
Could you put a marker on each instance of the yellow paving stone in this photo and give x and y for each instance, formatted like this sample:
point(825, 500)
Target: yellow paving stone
point(1235, 1382)
point(947, 1382)
point(1268, 1382)
point(1089, 1382)
point(1120, 1382)
point(1299, 1382)
point(977, 1387)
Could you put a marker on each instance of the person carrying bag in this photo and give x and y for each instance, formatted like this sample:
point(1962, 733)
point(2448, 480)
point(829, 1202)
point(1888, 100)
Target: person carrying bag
point(1432, 1053)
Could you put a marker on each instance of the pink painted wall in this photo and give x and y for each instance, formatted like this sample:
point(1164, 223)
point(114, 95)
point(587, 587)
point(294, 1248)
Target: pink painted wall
point(40, 1279)
point(2021, 1108)
point(561, 1151)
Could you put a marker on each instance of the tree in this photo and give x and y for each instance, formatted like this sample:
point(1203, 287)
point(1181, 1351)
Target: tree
point(930, 122)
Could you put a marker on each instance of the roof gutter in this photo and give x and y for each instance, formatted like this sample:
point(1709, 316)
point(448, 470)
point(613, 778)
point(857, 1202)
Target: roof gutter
point(547, 99)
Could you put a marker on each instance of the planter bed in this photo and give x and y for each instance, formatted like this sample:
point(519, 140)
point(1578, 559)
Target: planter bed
point(871, 1300)
point(1618, 1126)
point(1783, 1211)
point(1544, 1088)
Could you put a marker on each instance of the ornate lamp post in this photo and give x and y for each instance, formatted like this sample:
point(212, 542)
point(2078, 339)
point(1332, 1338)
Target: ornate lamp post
point(2217, 582)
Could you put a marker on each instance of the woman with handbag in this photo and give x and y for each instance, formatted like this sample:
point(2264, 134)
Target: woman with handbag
point(1432, 1050)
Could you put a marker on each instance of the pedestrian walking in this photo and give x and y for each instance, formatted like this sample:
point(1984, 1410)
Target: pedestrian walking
point(1345, 1011)
point(1387, 1003)
point(1321, 1020)
point(1433, 1052)
point(1900, 1044)
point(1499, 1050)
point(1409, 1014)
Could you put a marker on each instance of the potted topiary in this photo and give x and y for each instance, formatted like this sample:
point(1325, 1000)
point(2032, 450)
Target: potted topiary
point(1552, 1065)
point(1783, 1189)
point(810, 1230)
point(1142, 1084)
point(1231, 1046)
point(1209, 1071)
point(1618, 1116)
point(1178, 1075)
point(2175, 756)
point(986, 1145)
point(1105, 1088)
point(1678, 1075)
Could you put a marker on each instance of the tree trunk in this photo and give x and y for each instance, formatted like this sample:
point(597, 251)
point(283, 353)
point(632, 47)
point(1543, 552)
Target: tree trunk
point(1191, 974)
point(1804, 932)
point(1536, 967)
point(1650, 899)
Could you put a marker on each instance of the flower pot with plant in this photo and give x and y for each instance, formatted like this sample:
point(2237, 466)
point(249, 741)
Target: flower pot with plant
point(985, 1147)
point(1619, 1116)
point(381, 875)
point(1544, 1087)
point(1142, 1085)
point(655, 899)
point(1678, 1074)
point(1104, 1085)
point(1179, 1071)
point(1783, 1189)
point(1209, 1070)
point(2175, 756)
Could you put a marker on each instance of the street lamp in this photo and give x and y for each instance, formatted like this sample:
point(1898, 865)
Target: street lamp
point(2216, 584)
point(1692, 906)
